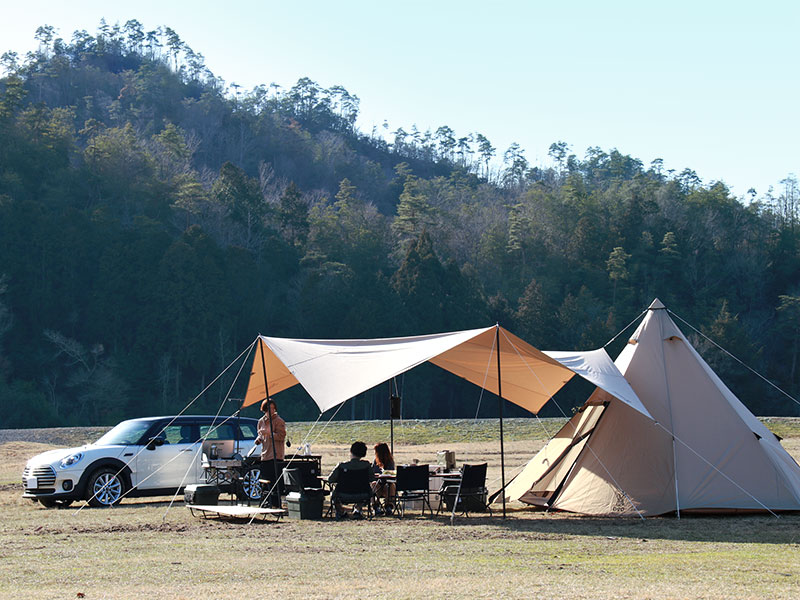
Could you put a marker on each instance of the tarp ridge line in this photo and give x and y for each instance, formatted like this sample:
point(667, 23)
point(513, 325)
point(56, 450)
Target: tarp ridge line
point(210, 430)
point(550, 397)
point(185, 408)
point(575, 430)
point(291, 459)
point(639, 316)
point(745, 365)
point(485, 377)
point(700, 456)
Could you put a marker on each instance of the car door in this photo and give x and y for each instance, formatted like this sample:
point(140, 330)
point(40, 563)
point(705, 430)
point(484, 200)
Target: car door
point(175, 462)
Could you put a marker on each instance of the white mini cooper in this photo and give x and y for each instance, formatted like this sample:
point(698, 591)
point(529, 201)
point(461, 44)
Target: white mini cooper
point(152, 456)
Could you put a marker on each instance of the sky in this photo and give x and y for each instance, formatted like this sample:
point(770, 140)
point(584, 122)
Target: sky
point(712, 86)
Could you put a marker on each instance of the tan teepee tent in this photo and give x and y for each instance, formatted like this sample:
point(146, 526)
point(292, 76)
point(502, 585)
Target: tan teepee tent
point(703, 450)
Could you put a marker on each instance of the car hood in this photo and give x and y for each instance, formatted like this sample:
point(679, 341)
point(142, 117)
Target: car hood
point(90, 451)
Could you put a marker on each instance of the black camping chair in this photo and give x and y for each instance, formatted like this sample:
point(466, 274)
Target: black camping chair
point(303, 482)
point(470, 495)
point(353, 488)
point(412, 484)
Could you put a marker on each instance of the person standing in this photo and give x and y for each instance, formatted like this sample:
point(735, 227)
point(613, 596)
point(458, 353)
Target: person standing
point(272, 436)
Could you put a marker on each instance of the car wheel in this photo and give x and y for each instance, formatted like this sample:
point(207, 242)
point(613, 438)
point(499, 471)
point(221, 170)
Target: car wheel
point(105, 487)
point(54, 503)
point(249, 488)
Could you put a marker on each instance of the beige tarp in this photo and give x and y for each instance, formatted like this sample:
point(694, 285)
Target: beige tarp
point(332, 371)
point(722, 456)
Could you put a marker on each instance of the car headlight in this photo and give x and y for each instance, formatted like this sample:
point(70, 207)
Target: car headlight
point(71, 460)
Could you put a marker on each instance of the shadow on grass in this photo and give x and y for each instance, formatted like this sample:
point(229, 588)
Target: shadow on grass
point(751, 528)
point(748, 528)
point(135, 504)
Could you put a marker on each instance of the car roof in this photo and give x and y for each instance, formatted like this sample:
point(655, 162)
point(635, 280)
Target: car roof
point(193, 418)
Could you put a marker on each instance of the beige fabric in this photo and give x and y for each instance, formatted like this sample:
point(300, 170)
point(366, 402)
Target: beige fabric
point(723, 457)
point(529, 377)
point(546, 471)
point(332, 371)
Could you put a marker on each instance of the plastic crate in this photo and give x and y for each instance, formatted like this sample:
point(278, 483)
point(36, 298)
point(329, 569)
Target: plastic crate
point(304, 506)
point(201, 493)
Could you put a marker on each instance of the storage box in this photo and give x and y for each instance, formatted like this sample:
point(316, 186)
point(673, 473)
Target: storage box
point(305, 506)
point(201, 493)
point(446, 459)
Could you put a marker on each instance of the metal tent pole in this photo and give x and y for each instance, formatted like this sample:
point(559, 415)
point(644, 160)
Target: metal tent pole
point(269, 412)
point(391, 416)
point(500, 406)
point(671, 420)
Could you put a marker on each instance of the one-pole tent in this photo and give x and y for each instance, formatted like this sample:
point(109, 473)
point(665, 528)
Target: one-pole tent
point(704, 451)
point(332, 371)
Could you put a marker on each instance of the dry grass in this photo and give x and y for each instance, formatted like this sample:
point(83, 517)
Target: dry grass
point(142, 550)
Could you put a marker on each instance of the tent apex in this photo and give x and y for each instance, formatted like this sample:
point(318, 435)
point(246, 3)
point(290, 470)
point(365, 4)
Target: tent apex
point(656, 305)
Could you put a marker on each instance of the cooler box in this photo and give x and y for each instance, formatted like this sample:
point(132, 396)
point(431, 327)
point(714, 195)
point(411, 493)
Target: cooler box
point(201, 493)
point(305, 506)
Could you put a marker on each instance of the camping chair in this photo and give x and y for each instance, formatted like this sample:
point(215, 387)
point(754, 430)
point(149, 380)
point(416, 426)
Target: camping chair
point(353, 488)
point(470, 493)
point(412, 484)
point(303, 482)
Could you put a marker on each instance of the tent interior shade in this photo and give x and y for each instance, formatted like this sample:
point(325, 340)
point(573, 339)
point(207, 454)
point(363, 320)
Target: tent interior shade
point(332, 371)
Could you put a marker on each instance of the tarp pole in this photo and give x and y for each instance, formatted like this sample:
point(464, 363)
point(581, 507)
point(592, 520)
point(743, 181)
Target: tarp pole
point(500, 406)
point(391, 416)
point(269, 412)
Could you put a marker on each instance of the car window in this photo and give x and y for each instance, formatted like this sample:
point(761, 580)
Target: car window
point(249, 431)
point(125, 434)
point(180, 434)
point(224, 431)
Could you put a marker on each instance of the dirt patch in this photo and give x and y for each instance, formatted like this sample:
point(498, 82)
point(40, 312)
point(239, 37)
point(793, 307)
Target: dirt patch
point(56, 436)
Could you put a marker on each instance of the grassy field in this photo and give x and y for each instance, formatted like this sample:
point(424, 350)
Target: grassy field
point(143, 549)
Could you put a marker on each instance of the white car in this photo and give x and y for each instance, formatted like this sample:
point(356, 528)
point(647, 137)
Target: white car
point(152, 456)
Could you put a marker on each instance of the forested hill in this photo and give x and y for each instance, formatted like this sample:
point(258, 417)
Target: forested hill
point(153, 220)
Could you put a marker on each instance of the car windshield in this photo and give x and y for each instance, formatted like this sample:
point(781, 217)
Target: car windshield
point(126, 433)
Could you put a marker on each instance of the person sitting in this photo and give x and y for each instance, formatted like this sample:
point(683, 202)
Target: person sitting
point(186, 435)
point(356, 463)
point(384, 490)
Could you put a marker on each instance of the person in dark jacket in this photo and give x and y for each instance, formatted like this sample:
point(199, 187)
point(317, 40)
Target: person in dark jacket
point(356, 463)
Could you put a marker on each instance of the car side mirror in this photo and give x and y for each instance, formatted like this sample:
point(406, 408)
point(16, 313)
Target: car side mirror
point(153, 442)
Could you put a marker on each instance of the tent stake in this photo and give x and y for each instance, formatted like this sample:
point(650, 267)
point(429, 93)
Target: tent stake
point(500, 406)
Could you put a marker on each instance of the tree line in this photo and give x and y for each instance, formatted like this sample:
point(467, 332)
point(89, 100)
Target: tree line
point(154, 220)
